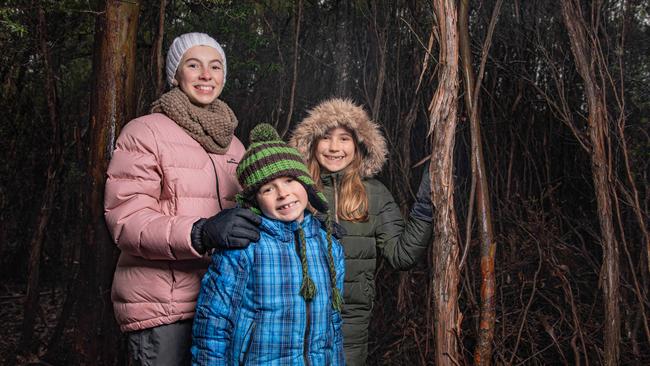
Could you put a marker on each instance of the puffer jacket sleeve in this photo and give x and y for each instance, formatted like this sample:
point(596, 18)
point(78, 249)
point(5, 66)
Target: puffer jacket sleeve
point(218, 306)
point(339, 264)
point(132, 201)
point(401, 245)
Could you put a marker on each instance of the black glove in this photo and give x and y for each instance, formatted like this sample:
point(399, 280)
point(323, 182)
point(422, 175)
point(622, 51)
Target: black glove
point(232, 228)
point(422, 208)
point(337, 229)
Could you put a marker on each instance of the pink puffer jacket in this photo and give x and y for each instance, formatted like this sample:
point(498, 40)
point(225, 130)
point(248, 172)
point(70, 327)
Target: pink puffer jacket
point(161, 181)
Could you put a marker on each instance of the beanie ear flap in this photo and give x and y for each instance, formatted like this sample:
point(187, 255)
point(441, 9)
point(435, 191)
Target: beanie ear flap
point(246, 203)
point(316, 198)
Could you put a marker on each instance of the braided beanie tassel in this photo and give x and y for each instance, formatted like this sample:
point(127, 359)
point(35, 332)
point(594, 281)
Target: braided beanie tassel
point(308, 288)
point(337, 299)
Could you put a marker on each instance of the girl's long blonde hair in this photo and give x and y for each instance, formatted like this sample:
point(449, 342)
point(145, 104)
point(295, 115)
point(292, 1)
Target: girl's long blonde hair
point(352, 198)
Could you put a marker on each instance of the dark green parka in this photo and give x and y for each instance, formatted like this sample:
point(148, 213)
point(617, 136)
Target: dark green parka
point(383, 234)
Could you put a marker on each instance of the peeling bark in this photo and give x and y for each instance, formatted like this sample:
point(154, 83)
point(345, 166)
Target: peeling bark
point(443, 108)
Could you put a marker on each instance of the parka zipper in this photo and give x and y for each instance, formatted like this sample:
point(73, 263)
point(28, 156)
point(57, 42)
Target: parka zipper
point(305, 340)
point(335, 184)
point(216, 178)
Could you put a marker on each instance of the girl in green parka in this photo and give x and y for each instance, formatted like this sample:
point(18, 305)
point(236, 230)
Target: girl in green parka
point(344, 149)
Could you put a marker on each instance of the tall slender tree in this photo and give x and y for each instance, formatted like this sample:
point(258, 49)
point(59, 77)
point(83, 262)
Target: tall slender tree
point(47, 200)
point(343, 49)
point(483, 352)
point(443, 119)
point(112, 104)
point(157, 59)
point(587, 57)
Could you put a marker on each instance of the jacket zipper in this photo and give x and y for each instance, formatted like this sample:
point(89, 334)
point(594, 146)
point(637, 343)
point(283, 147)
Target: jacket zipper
point(172, 292)
point(305, 341)
point(250, 332)
point(336, 197)
point(216, 177)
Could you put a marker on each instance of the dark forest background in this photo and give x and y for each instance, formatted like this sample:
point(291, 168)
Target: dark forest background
point(549, 207)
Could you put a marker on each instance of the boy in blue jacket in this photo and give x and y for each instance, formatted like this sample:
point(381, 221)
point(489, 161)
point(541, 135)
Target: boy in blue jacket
point(277, 302)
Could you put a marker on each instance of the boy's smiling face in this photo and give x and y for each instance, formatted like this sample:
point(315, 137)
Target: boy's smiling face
point(283, 198)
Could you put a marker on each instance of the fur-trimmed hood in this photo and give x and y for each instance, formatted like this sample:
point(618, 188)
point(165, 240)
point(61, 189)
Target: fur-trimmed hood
point(344, 113)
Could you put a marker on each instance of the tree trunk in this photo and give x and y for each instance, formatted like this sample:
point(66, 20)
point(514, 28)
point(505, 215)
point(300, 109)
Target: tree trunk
point(112, 104)
point(343, 51)
point(483, 352)
point(54, 165)
point(585, 53)
point(157, 60)
point(445, 243)
point(381, 40)
point(294, 80)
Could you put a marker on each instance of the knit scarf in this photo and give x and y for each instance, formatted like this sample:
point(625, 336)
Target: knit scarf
point(212, 127)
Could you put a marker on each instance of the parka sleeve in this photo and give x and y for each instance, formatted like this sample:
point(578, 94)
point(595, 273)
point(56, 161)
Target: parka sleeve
point(132, 206)
point(402, 245)
point(218, 307)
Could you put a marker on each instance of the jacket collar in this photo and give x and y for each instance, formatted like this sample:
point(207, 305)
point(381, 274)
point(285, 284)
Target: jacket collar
point(328, 179)
point(285, 231)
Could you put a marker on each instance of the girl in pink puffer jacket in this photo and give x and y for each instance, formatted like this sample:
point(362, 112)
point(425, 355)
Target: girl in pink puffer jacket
point(171, 173)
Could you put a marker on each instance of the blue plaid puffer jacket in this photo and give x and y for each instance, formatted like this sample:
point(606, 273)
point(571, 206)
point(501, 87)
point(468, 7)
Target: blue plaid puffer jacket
point(250, 311)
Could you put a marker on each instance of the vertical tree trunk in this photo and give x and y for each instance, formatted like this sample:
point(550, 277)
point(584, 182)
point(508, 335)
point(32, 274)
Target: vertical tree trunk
point(585, 55)
point(294, 80)
point(483, 352)
point(54, 165)
point(112, 104)
point(342, 51)
point(157, 60)
point(445, 243)
point(381, 39)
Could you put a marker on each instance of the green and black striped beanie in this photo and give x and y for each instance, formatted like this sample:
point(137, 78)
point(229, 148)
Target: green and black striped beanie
point(267, 158)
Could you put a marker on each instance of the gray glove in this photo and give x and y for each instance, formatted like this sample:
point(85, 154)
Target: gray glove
point(423, 208)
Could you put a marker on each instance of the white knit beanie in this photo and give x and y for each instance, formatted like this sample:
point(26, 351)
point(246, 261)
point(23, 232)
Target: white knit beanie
point(184, 42)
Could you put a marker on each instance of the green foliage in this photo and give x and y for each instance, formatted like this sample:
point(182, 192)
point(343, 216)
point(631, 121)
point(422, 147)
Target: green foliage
point(9, 23)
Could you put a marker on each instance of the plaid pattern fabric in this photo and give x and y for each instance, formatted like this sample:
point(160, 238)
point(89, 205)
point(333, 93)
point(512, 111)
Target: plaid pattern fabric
point(250, 310)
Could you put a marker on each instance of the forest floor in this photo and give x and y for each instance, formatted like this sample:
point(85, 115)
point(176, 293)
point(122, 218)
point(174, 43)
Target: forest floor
point(11, 313)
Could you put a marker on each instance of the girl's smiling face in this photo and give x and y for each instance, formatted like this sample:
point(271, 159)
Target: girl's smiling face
point(200, 75)
point(335, 151)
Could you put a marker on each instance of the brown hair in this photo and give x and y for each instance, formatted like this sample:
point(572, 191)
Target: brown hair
point(352, 197)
